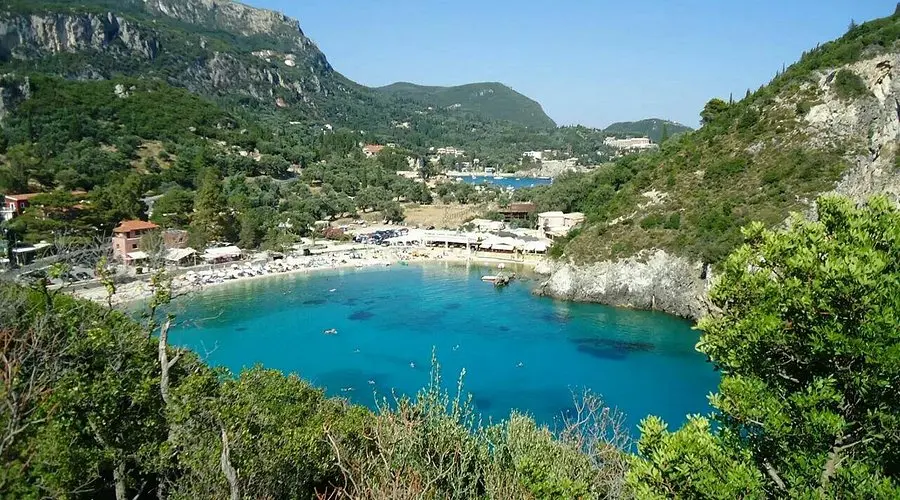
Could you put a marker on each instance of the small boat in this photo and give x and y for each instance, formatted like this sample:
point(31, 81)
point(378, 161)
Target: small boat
point(491, 278)
point(498, 178)
point(330, 331)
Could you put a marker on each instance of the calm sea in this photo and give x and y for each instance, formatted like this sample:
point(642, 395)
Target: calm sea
point(519, 351)
point(507, 182)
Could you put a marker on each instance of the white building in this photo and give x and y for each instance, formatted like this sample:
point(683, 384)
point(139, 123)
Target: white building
point(630, 143)
point(535, 155)
point(450, 151)
point(555, 224)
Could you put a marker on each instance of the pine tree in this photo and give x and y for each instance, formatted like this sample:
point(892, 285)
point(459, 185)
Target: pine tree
point(664, 136)
point(212, 220)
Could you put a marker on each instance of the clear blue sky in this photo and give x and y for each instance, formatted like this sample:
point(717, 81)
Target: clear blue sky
point(591, 62)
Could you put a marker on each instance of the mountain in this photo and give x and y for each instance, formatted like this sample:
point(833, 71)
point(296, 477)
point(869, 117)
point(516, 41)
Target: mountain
point(491, 100)
point(828, 123)
point(239, 56)
point(654, 128)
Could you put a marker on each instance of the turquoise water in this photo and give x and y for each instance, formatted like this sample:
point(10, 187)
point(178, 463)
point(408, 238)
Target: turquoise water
point(519, 351)
point(508, 182)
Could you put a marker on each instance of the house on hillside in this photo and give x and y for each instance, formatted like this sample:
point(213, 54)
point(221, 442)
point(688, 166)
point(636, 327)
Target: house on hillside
point(556, 224)
point(15, 204)
point(127, 239)
point(372, 150)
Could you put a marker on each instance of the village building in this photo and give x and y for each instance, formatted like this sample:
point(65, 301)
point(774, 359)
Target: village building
point(15, 204)
point(633, 143)
point(557, 224)
point(372, 150)
point(128, 238)
point(518, 211)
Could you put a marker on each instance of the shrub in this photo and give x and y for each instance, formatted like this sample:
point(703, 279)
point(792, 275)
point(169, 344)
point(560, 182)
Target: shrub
point(849, 85)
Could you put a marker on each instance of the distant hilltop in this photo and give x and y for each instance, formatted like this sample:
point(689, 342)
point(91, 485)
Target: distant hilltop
point(491, 100)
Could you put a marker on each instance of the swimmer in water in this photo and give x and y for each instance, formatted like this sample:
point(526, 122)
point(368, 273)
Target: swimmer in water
point(520, 365)
point(456, 347)
point(356, 350)
point(412, 365)
point(371, 382)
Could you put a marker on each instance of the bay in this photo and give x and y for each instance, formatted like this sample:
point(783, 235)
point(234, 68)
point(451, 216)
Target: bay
point(519, 351)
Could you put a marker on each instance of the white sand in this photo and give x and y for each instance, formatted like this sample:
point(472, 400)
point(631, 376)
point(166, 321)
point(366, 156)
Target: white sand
point(191, 281)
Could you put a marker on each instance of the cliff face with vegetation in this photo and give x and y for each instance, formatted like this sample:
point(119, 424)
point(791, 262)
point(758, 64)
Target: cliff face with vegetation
point(830, 122)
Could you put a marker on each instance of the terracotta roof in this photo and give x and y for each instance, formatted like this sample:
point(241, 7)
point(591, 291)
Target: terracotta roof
point(28, 196)
point(373, 148)
point(22, 197)
point(520, 208)
point(134, 225)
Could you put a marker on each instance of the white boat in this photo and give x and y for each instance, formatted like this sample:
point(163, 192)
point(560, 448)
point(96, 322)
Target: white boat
point(497, 177)
point(490, 278)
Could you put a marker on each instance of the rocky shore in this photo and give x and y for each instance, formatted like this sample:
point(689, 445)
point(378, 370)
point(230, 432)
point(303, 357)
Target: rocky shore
point(652, 280)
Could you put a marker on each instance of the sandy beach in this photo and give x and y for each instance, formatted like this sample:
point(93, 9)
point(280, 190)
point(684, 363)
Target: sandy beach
point(186, 281)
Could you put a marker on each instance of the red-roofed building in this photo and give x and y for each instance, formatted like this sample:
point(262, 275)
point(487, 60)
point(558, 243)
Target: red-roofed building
point(15, 204)
point(371, 150)
point(127, 240)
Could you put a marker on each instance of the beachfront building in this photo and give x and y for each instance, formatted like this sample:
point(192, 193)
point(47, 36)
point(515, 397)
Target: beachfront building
point(219, 255)
point(518, 211)
point(127, 240)
point(556, 224)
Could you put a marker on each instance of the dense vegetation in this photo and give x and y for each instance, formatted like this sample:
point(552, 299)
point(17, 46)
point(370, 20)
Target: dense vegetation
point(490, 100)
point(752, 160)
point(96, 405)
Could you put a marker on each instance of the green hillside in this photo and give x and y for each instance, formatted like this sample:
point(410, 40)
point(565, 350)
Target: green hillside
point(490, 100)
point(754, 160)
point(654, 128)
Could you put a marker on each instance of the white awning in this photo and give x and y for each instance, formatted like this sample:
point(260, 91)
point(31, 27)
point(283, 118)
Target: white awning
point(137, 255)
point(178, 254)
point(229, 252)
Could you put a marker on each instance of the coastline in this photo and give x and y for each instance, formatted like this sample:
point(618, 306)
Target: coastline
point(187, 281)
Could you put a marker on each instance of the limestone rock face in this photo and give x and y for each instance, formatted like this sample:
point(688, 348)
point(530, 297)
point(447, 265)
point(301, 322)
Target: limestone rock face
point(653, 280)
point(869, 126)
point(34, 36)
point(13, 90)
point(175, 40)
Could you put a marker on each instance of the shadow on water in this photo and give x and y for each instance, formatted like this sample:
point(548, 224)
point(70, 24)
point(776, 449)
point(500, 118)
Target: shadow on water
point(361, 316)
point(614, 349)
point(453, 306)
point(556, 317)
point(503, 328)
point(314, 302)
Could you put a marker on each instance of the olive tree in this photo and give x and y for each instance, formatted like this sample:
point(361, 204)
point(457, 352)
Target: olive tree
point(808, 343)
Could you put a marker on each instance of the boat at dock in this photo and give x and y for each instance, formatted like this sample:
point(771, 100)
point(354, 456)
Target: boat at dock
point(498, 280)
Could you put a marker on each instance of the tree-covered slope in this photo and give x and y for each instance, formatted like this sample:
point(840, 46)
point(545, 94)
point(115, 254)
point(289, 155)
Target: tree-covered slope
point(490, 100)
point(829, 122)
point(655, 128)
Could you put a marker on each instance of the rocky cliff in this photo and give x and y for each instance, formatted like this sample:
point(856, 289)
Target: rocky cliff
point(808, 117)
point(217, 48)
point(652, 280)
point(869, 126)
